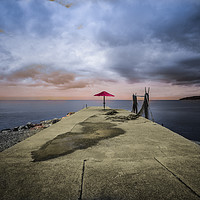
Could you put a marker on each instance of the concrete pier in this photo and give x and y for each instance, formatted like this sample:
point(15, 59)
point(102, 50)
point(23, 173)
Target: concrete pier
point(90, 155)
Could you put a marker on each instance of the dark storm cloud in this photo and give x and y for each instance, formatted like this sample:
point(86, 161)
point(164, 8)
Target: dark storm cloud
point(179, 23)
point(173, 27)
point(132, 21)
point(185, 72)
point(182, 72)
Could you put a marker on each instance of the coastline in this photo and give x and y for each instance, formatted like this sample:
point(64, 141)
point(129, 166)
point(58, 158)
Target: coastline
point(192, 98)
point(10, 137)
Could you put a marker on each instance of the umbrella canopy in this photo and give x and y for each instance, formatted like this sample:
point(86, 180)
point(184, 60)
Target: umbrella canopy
point(104, 94)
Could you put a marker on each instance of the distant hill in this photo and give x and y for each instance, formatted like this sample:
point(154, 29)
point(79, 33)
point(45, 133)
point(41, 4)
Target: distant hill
point(191, 98)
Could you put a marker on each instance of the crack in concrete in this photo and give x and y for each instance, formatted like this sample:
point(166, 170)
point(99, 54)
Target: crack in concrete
point(82, 178)
point(179, 179)
point(162, 151)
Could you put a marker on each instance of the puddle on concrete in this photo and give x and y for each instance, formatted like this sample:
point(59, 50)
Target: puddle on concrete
point(86, 135)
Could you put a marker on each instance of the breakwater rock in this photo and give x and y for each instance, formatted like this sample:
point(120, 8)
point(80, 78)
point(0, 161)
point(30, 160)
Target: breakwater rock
point(10, 137)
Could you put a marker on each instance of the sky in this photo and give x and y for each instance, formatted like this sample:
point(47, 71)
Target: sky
point(73, 49)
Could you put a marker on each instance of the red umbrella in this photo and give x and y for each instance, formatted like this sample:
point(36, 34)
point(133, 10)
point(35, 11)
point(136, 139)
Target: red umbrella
point(104, 94)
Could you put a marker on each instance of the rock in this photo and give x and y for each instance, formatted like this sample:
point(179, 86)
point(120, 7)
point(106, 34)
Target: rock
point(6, 130)
point(16, 128)
point(55, 120)
point(51, 121)
point(30, 125)
point(38, 126)
point(46, 125)
point(48, 121)
point(23, 127)
point(70, 113)
point(44, 122)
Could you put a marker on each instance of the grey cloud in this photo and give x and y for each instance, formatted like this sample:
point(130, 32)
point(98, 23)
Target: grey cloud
point(6, 59)
point(135, 21)
point(130, 62)
point(174, 25)
point(180, 25)
point(33, 17)
point(11, 15)
point(184, 72)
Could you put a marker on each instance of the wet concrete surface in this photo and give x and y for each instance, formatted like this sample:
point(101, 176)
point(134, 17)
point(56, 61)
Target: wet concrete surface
point(89, 134)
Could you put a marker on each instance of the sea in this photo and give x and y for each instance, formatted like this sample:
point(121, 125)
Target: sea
point(182, 117)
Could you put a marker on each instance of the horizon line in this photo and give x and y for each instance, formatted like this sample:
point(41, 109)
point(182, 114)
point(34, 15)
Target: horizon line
point(139, 99)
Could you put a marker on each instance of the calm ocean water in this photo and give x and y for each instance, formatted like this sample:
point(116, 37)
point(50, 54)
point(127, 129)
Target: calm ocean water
point(183, 117)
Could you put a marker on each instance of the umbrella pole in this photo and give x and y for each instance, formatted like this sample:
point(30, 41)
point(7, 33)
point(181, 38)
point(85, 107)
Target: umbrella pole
point(104, 102)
